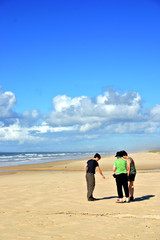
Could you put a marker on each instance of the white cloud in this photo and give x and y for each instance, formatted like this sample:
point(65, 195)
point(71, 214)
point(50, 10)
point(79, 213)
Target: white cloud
point(45, 128)
point(85, 136)
point(92, 112)
point(63, 102)
point(155, 113)
point(132, 127)
point(109, 113)
point(87, 127)
point(16, 132)
point(7, 101)
point(113, 112)
point(31, 114)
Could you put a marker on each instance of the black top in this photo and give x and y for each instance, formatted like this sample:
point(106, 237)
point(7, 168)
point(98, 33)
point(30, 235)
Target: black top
point(92, 164)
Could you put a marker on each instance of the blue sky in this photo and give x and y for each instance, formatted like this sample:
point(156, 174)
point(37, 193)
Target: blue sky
point(79, 75)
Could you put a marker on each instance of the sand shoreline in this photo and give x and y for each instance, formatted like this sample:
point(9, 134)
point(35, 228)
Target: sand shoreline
point(143, 161)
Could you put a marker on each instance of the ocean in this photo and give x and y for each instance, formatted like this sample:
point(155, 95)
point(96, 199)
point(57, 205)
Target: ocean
point(20, 158)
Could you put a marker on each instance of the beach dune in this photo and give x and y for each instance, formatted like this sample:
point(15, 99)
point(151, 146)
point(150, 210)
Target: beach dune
point(38, 202)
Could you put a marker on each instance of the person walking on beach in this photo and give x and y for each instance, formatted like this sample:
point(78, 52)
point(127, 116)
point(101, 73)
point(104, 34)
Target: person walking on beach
point(131, 173)
point(120, 169)
point(90, 167)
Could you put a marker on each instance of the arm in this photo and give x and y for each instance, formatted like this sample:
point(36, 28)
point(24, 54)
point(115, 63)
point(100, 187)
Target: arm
point(128, 166)
point(114, 169)
point(99, 170)
point(86, 167)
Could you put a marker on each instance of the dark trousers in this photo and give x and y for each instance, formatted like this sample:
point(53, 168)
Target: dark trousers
point(122, 181)
point(90, 179)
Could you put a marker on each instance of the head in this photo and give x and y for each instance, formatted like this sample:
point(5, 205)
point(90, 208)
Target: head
point(124, 154)
point(119, 155)
point(97, 156)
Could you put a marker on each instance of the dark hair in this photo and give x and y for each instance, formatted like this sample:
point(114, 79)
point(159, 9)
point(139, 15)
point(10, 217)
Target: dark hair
point(97, 155)
point(119, 154)
point(124, 153)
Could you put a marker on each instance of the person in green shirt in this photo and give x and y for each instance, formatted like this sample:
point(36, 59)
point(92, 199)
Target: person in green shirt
point(120, 171)
point(131, 173)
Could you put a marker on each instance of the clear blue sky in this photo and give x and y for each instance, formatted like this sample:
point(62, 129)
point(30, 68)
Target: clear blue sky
point(79, 75)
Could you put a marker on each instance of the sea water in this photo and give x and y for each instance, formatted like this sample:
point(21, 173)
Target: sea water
point(20, 158)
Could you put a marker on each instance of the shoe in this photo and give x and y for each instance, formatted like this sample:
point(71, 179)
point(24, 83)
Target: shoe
point(119, 200)
point(94, 199)
point(127, 200)
point(91, 199)
point(131, 198)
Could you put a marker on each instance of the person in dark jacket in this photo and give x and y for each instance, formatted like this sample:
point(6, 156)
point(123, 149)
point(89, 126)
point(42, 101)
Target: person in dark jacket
point(90, 168)
point(131, 173)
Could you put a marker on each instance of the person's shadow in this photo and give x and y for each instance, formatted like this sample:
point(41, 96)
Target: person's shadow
point(139, 199)
point(104, 198)
point(143, 198)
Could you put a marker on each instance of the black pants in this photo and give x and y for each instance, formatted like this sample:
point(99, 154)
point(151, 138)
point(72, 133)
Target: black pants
point(90, 179)
point(122, 180)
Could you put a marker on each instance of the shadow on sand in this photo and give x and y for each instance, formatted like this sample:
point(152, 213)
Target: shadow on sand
point(143, 198)
point(104, 198)
point(139, 199)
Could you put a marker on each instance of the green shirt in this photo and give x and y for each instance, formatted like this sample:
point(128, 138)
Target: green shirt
point(121, 165)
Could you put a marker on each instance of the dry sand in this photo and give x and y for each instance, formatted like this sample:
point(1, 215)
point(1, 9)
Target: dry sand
point(38, 202)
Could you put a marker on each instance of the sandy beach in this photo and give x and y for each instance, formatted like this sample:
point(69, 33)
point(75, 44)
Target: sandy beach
point(48, 201)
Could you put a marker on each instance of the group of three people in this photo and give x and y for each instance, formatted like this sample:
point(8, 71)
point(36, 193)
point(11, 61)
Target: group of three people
point(124, 172)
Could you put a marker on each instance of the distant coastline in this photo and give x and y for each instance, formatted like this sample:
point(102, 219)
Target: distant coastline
point(8, 159)
point(143, 161)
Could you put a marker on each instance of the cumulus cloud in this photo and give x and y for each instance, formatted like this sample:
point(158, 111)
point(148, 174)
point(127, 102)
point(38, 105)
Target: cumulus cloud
point(89, 126)
point(111, 112)
point(29, 118)
point(30, 114)
point(7, 101)
point(132, 127)
point(61, 103)
point(92, 113)
point(155, 113)
point(16, 132)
